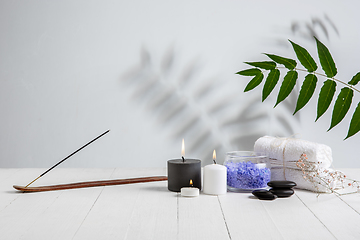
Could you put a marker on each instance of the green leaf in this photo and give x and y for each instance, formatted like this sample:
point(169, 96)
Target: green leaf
point(250, 72)
point(306, 92)
point(355, 79)
point(254, 82)
point(287, 62)
point(287, 86)
point(325, 97)
point(268, 65)
point(342, 105)
point(304, 57)
point(270, 83)
point(355, 122)
point(326, 61)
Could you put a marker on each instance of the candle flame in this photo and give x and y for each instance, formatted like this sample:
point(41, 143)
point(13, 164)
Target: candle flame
point(191, 182)
point(183, 148)
point(214, 155)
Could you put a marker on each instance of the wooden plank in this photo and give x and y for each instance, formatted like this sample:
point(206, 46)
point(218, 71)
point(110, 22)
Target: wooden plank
point(247, 218)
point(352, 200)
point(6, 173)
point(201, 218)
point(283, 218)
point(138, 211)
point(51, 215)
point(154, 214)
point(18, 217)
point(111, 214)
point(341, 220)
point(8, 178)
point(150, 211)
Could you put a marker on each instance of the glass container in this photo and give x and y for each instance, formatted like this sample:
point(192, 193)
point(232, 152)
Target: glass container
point(247, 171)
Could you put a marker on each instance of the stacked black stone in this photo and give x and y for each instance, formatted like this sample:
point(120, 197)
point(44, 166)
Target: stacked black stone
point(264, 194)
point(281, 189)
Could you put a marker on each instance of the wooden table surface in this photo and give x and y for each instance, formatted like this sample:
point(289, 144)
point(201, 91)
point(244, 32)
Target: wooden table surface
point(149, 211)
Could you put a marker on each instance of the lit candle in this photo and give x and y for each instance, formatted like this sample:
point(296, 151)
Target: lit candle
point(215, 178)
point(181, 170)
point(190, 191)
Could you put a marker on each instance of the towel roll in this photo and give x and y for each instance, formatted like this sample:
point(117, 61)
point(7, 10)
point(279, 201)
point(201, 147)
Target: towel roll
point(284, 153)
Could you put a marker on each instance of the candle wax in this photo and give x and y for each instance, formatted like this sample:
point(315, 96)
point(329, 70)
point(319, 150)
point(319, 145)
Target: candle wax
point(215, 179)
point(180, 172)
point(189, 192)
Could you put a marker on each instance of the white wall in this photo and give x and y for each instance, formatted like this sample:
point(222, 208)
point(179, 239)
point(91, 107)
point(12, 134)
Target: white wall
point(70, 70)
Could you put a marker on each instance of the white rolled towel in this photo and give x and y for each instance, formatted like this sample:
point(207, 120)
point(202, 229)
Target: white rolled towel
point(284, 153)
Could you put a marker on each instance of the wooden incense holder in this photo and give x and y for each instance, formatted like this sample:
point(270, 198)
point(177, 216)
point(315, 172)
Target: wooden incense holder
point(90, 184)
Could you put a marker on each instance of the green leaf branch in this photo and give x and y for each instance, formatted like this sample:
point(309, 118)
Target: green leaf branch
point(327, 92)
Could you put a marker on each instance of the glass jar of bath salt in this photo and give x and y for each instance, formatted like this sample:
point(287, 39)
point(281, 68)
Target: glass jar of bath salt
point(247, 171)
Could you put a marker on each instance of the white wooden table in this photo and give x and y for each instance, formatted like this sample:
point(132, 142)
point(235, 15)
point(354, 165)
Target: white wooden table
point(150, 211)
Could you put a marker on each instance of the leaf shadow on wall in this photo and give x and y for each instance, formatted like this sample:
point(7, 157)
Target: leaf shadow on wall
point(205, 112)
point(321, 27)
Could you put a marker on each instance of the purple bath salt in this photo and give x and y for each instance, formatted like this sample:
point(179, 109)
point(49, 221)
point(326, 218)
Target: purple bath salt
point(247, 175)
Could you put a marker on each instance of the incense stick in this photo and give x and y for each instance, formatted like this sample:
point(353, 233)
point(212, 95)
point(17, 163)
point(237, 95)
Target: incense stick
point(68, 157)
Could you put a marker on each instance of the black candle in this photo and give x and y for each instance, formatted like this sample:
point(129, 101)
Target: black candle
point(180, 172)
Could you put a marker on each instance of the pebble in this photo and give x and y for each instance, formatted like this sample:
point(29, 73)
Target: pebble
point(282, 192)
point(282, 189)
point(281, 184)
point(263, 194)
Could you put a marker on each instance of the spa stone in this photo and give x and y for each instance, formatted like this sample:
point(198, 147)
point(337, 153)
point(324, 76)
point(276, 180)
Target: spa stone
point(281, 184)
point(282, 192)
point(263, 194)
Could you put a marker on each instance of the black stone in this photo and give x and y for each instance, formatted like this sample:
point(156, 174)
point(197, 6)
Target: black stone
point(281, 184)
point(282, 192)
point(263, 194)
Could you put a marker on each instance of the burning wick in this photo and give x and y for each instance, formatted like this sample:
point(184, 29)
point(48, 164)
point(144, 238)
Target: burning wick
point(191, 183)
point(183, 150)
point(214, 157)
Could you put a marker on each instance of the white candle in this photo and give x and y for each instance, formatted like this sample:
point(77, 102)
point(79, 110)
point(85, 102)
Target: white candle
point(215, 178)
point(189, 192)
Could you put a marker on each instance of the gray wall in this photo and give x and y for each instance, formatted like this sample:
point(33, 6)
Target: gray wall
point(155, 72)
